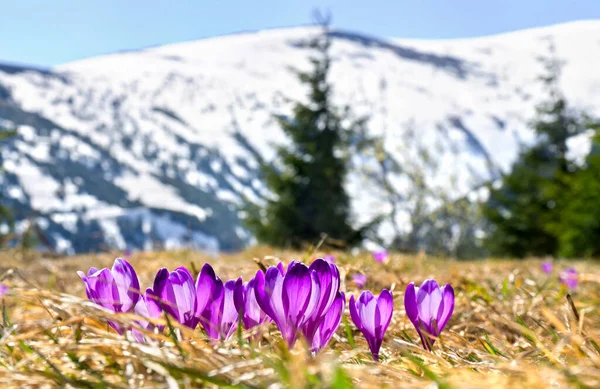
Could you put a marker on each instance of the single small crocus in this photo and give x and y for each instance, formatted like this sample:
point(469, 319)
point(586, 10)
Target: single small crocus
point(244, 298)
point(429, 308)
point(380, 256)
point(360, 280)
point(547, 267)
point(117, 289)
point(569, 278)
point(147, 307)
point(220, 317)
point(329, 258)
point(327, 289)
point(372, 317)
point(288, 299)
point(3, 290)
point(177, 295)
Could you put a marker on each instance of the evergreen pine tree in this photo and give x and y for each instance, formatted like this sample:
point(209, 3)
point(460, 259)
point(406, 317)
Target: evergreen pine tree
point(308, 175)
point(579, 228)
point(6, 216)
point(524, 212)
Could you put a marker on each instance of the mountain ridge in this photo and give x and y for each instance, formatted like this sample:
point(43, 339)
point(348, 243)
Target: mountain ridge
point(159, 147)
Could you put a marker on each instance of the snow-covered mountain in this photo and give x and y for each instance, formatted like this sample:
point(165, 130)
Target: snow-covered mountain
point(157, 146)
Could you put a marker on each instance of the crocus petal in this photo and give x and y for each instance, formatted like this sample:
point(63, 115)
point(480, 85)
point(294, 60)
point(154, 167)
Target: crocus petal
point(297, 289)
point(152, 304)
point(244, 298)
point(446, 308)
point(330, 323)
point(269, 290)
point(3, 289)
point(385, 307)
point(211, 317)
point(328, 279)
point(205, 288)
point(410, 304)
point(104, 290)
point(239, 297)
point(367, 308)
point(253, 314)
point(281, 268)
point(229, 316)
point(429, 298)
point(354, 314)
point(127, 284)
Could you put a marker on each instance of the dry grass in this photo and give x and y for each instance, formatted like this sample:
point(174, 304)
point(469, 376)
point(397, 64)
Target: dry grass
point(512, 327)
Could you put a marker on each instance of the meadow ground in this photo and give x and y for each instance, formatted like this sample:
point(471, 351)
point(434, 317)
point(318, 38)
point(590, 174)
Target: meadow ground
point(513, 326)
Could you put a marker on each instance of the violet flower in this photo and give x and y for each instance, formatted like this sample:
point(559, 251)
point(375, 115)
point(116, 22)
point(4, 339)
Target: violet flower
point(244, 298)
point(547, 267)
point(569, 278)
point(288, 299)
point(220, 316)
point(328, 286)
point(3, 290)
point(117, 289)
point(380, 256)
point(148, 306)
point(372, 317)
point(177, 295)
point(329, 258)
point(359, 280)
point(429, 308)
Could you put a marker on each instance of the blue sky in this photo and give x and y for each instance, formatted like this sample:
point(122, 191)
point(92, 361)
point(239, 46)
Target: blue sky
point(51, 32)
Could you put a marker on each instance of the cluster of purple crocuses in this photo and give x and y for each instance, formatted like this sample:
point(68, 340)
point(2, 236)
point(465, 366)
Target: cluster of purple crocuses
point(301, 300)
point(568, 277)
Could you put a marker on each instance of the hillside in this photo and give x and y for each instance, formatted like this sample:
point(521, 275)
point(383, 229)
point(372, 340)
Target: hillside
point(155, 148)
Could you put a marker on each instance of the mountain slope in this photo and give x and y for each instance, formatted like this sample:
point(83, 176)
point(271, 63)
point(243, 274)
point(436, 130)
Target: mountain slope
point(159, 146)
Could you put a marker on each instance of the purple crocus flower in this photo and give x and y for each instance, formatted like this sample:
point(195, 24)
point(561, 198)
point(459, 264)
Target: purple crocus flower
point(327, 276)
point(547, 267)
point(380, 256)
point(288, 299)
point(148, 306)
point(329, 258)
point(220, 317)
point(177, 295)
point(329, 323)
point(429, 308)
point(372, 317)
point(117, 289)
point(246, 304)
point(359, 280)
point(569, 278)
point(3, 290)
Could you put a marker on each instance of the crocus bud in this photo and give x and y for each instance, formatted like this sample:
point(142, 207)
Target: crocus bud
point(429, 308)
point(380, 256)
point(569, 278)
point(372, 317)
point(360, 280)
point(117, 289)
point(177, 295)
